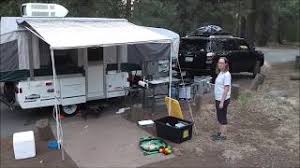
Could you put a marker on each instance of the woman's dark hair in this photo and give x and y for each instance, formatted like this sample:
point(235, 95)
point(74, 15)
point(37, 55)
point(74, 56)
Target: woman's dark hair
point(226, 65)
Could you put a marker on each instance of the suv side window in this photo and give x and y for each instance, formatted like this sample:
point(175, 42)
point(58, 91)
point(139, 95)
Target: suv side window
point(242, 45)
point(230, 45)
point(221, 45)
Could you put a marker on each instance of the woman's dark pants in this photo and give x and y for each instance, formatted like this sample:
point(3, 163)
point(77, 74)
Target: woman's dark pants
point(222, 113)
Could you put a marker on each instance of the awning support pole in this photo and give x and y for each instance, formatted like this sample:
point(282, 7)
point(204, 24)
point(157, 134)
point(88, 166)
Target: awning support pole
point(170, 78)
point(58, 123)
point(118, 58)
point(31, 66)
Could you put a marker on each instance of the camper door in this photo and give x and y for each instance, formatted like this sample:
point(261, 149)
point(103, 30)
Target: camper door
point(95, 73)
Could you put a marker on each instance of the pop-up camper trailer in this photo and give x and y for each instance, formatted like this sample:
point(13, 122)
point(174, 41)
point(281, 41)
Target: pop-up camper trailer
point(69, 61)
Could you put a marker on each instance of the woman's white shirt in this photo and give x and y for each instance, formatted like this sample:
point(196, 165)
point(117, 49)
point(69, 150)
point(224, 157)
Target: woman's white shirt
point(223, 79)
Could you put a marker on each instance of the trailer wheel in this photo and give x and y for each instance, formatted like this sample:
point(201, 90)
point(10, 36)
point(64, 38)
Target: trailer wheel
point(69, 110)
point(9, 92)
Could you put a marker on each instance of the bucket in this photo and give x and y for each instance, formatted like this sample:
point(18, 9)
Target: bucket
point(185, 91)
point(202, 83)
point(53, 144)
point(174, 92)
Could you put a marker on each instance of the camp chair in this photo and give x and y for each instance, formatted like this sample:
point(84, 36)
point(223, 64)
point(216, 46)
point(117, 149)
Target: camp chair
point(175, 110)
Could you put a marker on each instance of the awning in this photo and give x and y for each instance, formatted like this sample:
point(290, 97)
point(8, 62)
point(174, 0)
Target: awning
point(65, 33)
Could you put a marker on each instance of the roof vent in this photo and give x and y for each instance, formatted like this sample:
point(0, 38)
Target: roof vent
point(43, 10)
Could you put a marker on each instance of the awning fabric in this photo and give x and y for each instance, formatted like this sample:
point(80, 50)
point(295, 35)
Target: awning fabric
point(64, 33)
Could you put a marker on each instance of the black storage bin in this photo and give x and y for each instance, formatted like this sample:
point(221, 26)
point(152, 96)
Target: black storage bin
point(165, 128)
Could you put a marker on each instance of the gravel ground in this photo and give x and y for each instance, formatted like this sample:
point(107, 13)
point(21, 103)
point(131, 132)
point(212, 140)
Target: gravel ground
point(263, 128)
point(44, 158)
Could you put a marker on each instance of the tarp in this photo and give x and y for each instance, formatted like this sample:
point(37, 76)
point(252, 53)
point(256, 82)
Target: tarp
point(66, 33)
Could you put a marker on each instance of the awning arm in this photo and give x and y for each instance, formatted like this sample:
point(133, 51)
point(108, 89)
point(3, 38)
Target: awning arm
point(170, 78)
point(59, 134)
point(33, 32)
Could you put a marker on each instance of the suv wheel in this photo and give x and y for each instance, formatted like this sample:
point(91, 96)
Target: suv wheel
point(256, 69)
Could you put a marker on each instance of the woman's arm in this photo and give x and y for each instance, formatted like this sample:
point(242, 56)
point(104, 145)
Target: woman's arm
point(226, 90)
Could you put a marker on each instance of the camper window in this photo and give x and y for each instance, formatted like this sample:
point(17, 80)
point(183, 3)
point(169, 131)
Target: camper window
point(95, 54)
point(66, 57)
point(44, 54)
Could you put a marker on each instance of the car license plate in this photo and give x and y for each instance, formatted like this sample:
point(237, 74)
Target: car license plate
point(189, 59)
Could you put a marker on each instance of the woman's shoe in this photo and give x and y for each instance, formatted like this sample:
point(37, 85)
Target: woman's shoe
point(219, 138)
point(222, 138)
point(216, 135)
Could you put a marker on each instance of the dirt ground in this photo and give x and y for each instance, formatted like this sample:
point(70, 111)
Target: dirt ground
point(44, 157)
point(263, 128)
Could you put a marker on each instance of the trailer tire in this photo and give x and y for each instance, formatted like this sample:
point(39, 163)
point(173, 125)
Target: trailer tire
point(9, 92)
point(69, 110)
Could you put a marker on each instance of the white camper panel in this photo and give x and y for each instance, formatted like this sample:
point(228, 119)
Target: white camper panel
point(40, 91)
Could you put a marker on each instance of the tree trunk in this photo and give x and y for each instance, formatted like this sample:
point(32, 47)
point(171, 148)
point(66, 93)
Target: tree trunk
point(238, 19)
point(84, 8)
point(183, 17)
point(278, 36)
point(264, 24)
point(251, 20)
point(128, 9)
point(258, 80)
point(243, 27)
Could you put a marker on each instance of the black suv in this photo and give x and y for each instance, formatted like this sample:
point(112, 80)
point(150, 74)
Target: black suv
point(199, 54)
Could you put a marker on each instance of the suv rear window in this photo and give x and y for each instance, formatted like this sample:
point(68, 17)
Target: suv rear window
point(194, 45)
point(224, 45)
point(243, 45)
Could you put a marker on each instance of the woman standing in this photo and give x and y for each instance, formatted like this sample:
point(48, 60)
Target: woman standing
point(222, 96)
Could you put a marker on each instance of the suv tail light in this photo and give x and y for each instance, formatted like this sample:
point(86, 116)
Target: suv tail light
point(48, 83)
point(209, 57)
point(18, 90)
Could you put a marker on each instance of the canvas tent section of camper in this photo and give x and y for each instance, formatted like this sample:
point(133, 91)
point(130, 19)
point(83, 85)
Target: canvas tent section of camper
point(14, 62)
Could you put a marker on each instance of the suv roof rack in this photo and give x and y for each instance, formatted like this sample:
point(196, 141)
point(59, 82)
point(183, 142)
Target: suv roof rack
point(221, 36)
point(209, 30)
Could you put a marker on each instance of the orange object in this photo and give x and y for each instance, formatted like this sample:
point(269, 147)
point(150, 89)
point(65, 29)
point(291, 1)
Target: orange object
point(173, 107)
point(61, 117)
point(161, 150)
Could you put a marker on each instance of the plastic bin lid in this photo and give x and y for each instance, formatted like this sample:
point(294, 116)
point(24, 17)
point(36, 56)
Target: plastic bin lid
point(23, 136)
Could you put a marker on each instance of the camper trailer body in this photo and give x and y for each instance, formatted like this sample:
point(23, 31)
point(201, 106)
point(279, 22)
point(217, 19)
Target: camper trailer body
point(94, 67)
